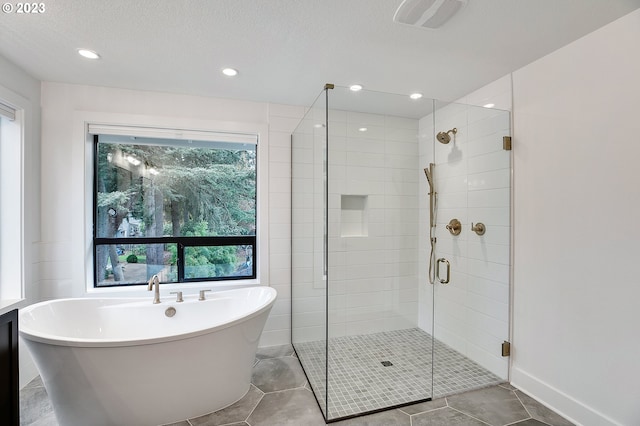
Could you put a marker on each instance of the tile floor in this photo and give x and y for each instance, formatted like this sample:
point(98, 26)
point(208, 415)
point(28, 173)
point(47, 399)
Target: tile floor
point(359, 382)
point(280, 396)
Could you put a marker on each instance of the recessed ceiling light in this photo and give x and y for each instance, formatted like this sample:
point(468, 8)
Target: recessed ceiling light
point(318, 126)
point(230, 72)
point(89, 54)
point(415, 95)
point(489, 105)
point(362, 129)
point(355, 87)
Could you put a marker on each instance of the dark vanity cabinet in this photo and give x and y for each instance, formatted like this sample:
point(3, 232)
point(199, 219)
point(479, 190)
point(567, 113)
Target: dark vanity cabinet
point(9, 396)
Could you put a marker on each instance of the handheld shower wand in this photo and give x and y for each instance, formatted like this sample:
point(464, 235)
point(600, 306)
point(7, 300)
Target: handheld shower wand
point(428, 171)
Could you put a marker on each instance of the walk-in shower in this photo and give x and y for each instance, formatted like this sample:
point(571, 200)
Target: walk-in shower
point(372, 324)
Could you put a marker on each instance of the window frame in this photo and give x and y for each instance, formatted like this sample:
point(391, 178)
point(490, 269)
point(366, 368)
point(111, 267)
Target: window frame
point(182, 243)
point(13, 274)
point(149, 128)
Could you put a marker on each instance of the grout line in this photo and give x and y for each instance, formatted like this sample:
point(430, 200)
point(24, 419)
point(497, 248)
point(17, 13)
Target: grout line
point(525, 409)
point(256, 406)
point(469, 415)
point(504, 386)
point(227, 424)
point(430, 411)
point(257, 388)
point(518, 421)
point(421, 412)
point(522, 403)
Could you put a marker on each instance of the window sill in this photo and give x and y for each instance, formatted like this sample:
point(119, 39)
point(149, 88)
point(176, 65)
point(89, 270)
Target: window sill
point(7, 305)
point(188, 288)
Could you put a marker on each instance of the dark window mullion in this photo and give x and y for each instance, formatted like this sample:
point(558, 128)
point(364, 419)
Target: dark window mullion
point(180, 262)
point(183, 242)
point(187, 241)
point(96, 280)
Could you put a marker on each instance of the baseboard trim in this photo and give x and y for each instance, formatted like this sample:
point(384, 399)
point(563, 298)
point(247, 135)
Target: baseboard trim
point(563, 404)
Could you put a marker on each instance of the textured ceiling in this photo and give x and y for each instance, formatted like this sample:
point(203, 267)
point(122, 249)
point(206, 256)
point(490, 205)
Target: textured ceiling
point(286, 50)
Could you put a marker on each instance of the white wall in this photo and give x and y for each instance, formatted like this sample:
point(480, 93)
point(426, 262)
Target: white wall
point(65, 108)
point(282, 121)
point(577, 204)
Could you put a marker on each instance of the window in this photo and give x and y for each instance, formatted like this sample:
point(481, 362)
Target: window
point(184, 209)
point(11, 199)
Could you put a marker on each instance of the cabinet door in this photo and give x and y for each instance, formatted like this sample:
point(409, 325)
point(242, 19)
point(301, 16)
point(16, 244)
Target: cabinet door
point(9, 396)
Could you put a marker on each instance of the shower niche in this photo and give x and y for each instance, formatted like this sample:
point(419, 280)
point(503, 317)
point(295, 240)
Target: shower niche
point(370, 330)
point(354, 220)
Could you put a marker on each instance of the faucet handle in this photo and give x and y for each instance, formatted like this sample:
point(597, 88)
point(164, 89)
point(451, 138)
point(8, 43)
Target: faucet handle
point(478, 228)
point(201, 297)
point(178, 296)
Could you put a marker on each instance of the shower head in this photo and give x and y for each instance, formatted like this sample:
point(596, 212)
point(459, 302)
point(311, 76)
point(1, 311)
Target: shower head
point(444, 137)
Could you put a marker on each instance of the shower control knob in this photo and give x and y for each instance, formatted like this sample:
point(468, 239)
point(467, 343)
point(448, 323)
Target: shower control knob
point(454, 226)
point(478, 228)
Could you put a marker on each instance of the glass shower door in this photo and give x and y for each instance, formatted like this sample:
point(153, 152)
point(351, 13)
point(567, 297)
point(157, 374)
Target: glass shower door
point(309, 247)
point(359, 327)
point(378, 356)
point(471, 294)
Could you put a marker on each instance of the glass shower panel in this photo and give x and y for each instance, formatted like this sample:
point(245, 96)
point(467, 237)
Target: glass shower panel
point(308, 246)
point(378, 356)
point(471, 311)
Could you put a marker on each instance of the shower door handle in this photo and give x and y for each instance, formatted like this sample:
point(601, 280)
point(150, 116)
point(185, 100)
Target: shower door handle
point(445, 280)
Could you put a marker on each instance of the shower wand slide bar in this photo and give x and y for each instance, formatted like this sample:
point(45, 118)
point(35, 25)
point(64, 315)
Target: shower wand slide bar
point(445, 280)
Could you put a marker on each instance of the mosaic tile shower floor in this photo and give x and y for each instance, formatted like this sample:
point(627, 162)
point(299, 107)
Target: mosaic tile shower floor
point(359, 382)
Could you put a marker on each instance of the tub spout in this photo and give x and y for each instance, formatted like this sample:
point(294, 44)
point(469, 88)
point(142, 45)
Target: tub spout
point(155, 280)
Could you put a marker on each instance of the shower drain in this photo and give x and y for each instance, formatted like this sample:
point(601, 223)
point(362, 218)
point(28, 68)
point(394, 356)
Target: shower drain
point(386, 363)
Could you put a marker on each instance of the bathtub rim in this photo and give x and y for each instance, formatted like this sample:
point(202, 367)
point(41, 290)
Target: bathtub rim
point(46, 338)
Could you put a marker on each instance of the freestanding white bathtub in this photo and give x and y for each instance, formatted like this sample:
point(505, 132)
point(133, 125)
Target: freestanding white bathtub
point(125, 362)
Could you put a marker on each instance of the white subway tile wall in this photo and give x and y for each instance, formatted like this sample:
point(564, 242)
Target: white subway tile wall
point(282, 121)
point(308, 224)
point(372, 225)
